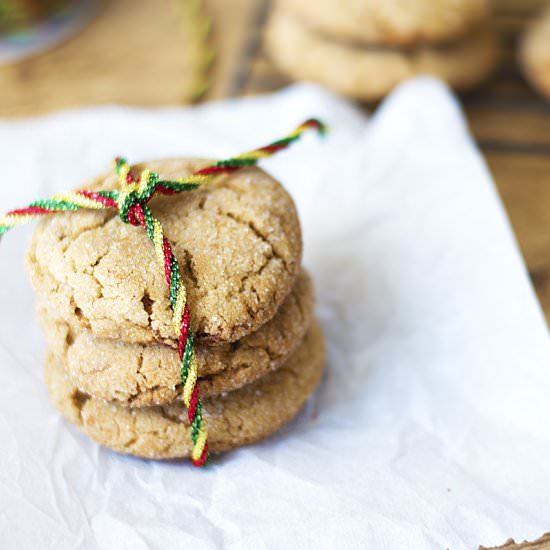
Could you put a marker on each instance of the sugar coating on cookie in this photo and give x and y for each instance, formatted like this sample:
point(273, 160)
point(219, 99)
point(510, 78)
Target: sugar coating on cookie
point(390, 22)
point(369, 73)
point(238, 242)
point(534, 53)
point(240, 418)
point(138, 375)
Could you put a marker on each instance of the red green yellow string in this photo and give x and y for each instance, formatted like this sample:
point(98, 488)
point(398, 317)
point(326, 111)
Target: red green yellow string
point(131, 203)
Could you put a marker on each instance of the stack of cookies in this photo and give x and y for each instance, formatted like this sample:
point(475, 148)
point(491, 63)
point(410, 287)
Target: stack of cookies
point(113, 367)
point(364, 48)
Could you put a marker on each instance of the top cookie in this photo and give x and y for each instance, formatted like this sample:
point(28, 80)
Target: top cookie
point(238, 242)
point(390, 22)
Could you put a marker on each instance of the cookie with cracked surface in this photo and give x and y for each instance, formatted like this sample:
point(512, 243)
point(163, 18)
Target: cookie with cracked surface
point(369, 73)
point(534, 54)
point(239, 418)
point(391, 22)
point(139, 375)
point(238, 241)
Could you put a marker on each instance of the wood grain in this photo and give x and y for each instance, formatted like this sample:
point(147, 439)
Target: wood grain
point(540, 544)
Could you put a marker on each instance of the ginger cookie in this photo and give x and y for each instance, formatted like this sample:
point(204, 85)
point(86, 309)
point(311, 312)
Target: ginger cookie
point(237, 239)
point(534, 54)
point(390, 22)
point(138, 375)
point(239, 418)
point(369, 73)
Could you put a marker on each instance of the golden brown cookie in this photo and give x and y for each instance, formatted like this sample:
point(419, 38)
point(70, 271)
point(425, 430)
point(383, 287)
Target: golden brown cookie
point(138, 375)
point(238, 242)
point(370, 73)
point(534, 54)
point(236, 419)
point(390, 22)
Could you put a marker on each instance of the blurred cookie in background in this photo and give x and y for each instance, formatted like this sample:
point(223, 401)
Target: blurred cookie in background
point(390, 22)
point(370, 72)
point(534, 54)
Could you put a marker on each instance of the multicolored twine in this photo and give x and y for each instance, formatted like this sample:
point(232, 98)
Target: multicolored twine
point(131, 202)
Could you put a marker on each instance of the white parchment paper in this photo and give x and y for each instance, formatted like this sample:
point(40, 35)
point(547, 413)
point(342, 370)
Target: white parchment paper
point(432, 426)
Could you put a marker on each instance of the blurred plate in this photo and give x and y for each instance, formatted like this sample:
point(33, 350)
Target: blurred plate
point(47, 33)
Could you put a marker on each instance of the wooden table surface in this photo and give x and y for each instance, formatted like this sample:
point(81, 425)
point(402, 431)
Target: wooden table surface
point(121, 56)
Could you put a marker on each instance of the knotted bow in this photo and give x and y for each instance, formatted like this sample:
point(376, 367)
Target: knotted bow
point(131, 202)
